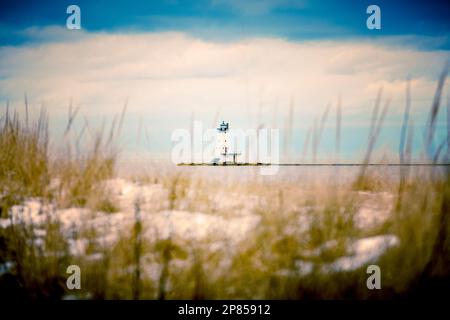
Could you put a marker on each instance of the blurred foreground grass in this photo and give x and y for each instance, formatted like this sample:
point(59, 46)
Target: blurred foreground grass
point(179, 235)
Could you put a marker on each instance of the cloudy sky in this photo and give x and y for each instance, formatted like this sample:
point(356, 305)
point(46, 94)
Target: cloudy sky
point(245, 62)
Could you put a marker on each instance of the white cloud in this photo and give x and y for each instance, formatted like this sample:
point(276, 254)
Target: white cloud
point(173, 74)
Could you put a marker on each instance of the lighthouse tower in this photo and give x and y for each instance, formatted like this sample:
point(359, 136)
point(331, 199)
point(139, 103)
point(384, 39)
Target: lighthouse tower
point(223, 143)
point(223, 152)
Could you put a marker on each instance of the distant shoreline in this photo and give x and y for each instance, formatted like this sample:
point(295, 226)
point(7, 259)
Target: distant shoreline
point(319, 164)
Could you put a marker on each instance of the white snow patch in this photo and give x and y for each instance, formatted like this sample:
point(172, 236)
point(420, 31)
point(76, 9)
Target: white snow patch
point(6, 267)
point(367, 218)
point(364, 251)
point(198, 226)
point(304, 267)
point(375, 209)
point(5, 223)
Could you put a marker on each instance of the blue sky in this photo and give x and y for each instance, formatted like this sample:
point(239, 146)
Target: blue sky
point(243, 61)
point(222, 19)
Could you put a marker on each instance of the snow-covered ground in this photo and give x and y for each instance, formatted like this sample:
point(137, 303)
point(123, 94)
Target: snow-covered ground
point(363, 251)
point(149, 202)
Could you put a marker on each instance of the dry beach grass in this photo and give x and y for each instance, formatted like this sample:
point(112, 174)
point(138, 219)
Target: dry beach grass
point(178, 234)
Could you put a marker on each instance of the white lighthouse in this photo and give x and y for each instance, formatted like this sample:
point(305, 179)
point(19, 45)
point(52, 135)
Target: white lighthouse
point(223, 146)
point(223, 142)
